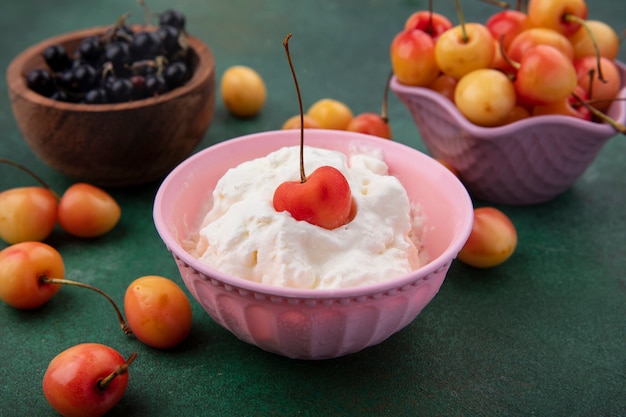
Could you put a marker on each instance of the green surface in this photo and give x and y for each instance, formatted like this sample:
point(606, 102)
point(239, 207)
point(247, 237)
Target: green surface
point(543, 335)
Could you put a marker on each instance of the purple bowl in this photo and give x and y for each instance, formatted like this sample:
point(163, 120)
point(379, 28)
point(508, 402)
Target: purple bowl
point(527, 162)
point(318, 323)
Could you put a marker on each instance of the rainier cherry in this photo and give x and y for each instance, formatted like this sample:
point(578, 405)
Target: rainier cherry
point(158, 311)
point(86, 380)
point(463, 49)
point(22, 269)
point(88, 211)
point(544, 75)
point(330, 114)
point(412, 55)
point(600, 93)
point(324, 198)
point(31, 273)
point(505, 25)
point(552, 14)
point(295, 122)
point(27, 213)
point(243, 91)
point(539, 36)
point(492, 241)
point(606, 40)
point(485, 97)
point(568, 106)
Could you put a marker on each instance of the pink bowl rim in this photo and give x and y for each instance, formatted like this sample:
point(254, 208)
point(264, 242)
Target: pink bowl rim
point(617, 109)
point(434, 266)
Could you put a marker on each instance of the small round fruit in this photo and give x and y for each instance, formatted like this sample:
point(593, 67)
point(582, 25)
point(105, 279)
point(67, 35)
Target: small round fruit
point(330, 114)
point(294, 122)
point(606, 39)
point(412, 54)
point(243, 91)
point(27, 214)
point(158, 311)
point(461, 50)
point(485, 97)
point(492, 241)
point(88, 211)
point(72, 385)
point(370, 124)
point(22, 266)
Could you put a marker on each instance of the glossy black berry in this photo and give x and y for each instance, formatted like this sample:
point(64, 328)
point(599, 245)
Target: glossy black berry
point(90, 50)
point(155, 85)
point(84, 77)
point(118, 54)
point(169, 39)
point(145, 45)
point(56, 57)
point(175, 74)
point(41, 81)
point(172, 18)
point(119, 90)
point(96, 96)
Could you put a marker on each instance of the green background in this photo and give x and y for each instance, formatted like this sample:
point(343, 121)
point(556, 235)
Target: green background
point(543, 334)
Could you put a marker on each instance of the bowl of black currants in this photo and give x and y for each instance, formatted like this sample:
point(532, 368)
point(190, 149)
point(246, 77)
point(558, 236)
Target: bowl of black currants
point(116, 105)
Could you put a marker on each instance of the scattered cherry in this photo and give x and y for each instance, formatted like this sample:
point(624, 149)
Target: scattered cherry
point(492, 241)
point(86, 380)
point(158, 311)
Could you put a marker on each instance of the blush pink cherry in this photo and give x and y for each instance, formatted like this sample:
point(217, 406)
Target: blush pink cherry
point(412, 54)
point(324, 199)
point(434, 24)
point(544, 75)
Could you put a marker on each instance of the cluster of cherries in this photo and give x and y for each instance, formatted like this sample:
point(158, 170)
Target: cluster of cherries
point(86, 379)
point(548, 59)
point(118, 66)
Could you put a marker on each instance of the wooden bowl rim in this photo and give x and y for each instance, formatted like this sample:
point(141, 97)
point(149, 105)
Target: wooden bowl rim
point(17, 82)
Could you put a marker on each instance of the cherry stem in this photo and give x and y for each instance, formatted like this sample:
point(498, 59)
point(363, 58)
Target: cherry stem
point(576, 19)
point(61, 281)
point(31, 173)
point(507, 58)
point(461, 20)
point(146, 11)
point(295, 80)
point(103, 383)
point(430, 29)
point(383, 111)
point(501, 4)
point(600, 115)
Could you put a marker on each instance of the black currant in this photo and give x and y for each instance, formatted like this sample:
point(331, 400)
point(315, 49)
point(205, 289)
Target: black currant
point(96, 96)
point(84, 77)
point(56, 57)
point(119, 90)
point(90, 50)
point(155, 85)
point(145, 45)
point(175, 74)
point(118, 54)
point(172, 18)
point(41, 82)
point(169, 39)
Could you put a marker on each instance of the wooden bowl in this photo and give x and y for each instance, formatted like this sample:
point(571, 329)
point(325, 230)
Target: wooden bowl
point(113, 144)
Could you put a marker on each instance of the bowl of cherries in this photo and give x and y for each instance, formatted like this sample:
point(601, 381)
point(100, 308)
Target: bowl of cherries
point(523, 119)
point(117, 105)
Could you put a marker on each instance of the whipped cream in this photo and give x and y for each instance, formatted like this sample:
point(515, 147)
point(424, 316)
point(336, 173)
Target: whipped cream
point(243, 235)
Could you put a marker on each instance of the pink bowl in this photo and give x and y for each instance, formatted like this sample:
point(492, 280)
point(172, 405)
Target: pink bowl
point(314, 324)
point(527, 162)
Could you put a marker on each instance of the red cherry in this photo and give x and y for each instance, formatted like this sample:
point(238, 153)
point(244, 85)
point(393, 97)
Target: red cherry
point(86, 380)
point(370, 124)
point(434, 24)
point(324, 199)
